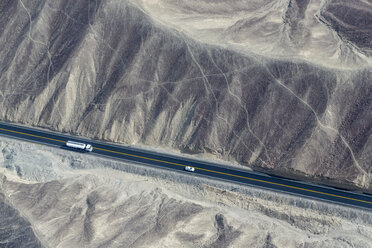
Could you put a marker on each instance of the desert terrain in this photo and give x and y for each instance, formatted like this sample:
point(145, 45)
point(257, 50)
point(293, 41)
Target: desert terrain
point(281, 86)
point(54, 198)
point(278, 86)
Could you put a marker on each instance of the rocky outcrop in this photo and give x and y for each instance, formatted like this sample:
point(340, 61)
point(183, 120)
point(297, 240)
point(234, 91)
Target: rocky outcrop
point(114, 70)
point(352, 20)
point(15, 230)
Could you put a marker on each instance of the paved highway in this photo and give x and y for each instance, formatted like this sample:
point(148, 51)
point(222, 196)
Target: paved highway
point(202, 168)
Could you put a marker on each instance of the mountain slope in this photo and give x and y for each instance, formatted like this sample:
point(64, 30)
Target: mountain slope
point(112, 70)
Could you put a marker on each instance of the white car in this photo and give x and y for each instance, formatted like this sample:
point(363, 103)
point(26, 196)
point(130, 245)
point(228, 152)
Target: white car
point(189, 168)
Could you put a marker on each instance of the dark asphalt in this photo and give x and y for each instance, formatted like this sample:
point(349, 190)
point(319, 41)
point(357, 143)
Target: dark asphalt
point(202, 168)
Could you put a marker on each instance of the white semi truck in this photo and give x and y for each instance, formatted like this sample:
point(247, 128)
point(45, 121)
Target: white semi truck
point(80, 146)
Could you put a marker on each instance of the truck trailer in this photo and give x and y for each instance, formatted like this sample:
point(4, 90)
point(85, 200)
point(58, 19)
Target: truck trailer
point(80, 146)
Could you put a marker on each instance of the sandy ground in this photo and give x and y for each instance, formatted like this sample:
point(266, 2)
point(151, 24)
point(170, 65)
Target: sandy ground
point(274, 28)
point(77, 200)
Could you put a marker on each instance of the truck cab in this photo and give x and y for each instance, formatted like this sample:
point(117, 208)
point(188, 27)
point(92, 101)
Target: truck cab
point(89, 148)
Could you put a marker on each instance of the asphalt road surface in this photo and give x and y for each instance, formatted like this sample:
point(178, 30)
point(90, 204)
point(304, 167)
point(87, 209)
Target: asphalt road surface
point(215, 171)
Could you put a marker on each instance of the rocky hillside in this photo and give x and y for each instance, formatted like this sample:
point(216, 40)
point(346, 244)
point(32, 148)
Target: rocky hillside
point(15, 230)
point(278, 85)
